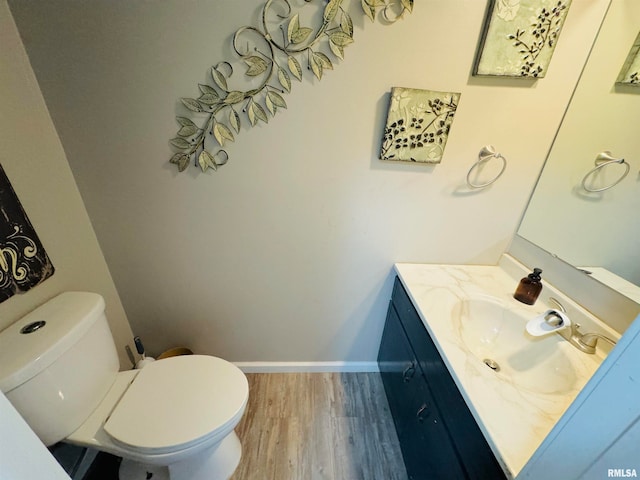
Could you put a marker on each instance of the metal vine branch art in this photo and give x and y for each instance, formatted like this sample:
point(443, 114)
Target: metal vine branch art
point(275, 58)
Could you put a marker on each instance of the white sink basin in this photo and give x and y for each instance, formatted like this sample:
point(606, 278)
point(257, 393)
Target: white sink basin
point(495, 335)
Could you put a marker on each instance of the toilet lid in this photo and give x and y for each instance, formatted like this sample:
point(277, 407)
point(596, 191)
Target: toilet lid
point(178, 401)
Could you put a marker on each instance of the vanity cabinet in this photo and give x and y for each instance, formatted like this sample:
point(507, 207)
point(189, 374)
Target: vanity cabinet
point(438, 435)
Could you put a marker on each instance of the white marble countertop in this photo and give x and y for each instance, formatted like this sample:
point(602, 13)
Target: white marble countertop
point(514, 420)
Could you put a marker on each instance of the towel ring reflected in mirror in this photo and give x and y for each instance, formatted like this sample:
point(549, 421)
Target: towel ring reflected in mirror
point(603, 160)
point(487, 153)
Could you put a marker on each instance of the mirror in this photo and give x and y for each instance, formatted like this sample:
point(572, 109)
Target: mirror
point(598, 232)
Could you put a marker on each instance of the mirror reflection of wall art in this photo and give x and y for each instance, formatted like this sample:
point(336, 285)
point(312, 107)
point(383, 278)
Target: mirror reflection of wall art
point(630, 73)
point(23, 261)
point(519, 37)
point(418, 125)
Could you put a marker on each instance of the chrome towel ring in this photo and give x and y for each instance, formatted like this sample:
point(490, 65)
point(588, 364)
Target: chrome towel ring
point(603, 160)
point(487, 153)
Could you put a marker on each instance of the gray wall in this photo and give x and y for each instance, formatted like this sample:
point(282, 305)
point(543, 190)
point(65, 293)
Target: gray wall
point(36, 165)
point(285, 254)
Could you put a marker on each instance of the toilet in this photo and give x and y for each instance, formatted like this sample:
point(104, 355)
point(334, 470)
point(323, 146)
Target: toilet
point(174, 419)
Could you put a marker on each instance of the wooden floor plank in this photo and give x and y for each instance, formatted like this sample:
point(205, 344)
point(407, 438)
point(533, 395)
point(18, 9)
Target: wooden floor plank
point(318, 461)
point(318, 426)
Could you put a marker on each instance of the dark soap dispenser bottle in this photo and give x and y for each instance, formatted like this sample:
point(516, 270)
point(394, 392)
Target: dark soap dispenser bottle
point(529, 288)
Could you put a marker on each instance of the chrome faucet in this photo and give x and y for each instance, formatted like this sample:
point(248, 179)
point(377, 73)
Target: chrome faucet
point(585, 342)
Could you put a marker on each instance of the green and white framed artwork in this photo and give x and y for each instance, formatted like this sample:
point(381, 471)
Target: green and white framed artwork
point(418, 125)
point(630, 73)
point(519, 37)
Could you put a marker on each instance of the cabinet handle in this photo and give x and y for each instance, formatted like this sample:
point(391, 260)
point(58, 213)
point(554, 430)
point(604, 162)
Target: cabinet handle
point(408, 373)
point(421, 410)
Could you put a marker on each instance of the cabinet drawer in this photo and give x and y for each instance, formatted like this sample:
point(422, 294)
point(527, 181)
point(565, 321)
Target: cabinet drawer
point(404, 306)
point(419, 338)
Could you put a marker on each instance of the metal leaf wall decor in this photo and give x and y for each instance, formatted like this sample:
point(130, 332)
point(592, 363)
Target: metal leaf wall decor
point(272, 54)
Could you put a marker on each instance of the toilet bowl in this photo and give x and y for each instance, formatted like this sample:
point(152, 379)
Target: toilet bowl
point(178, 413)
point(174, 418)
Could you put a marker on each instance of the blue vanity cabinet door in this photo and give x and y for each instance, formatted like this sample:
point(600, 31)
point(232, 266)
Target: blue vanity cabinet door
point(398, 367)
point(476, 456)
point(426, 448)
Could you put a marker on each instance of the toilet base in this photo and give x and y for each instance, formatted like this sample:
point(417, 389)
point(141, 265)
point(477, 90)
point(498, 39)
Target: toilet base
point(132, 470)
point(216, 463)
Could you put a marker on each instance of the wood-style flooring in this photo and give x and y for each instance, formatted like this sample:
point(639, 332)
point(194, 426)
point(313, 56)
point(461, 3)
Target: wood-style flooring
point(318, 426)
point(310, 426)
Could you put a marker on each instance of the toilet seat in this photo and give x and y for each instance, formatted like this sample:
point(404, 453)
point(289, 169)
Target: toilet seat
point(177, 403)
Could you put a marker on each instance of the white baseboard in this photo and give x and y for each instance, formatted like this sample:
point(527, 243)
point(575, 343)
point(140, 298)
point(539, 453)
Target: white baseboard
point(312, 367)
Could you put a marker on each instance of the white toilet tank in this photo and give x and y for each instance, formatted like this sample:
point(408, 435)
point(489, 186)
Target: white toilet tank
point(58, 362)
